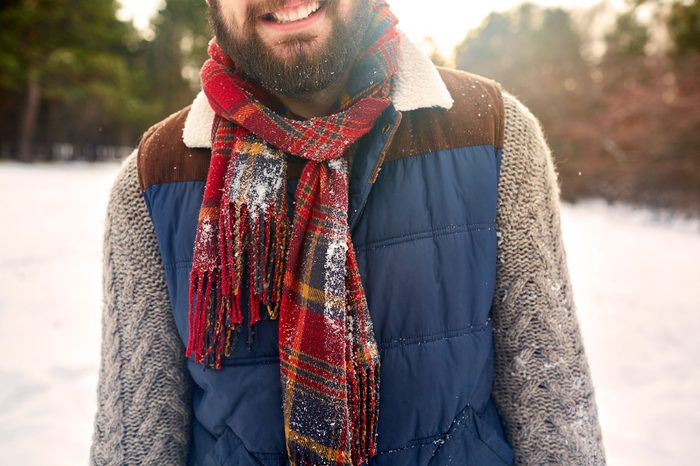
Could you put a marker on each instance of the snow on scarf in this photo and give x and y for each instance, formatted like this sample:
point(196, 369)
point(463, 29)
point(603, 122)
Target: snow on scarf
point(307, 278)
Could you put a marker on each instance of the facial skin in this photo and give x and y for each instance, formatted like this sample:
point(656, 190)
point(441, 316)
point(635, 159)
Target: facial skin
point(303, 60)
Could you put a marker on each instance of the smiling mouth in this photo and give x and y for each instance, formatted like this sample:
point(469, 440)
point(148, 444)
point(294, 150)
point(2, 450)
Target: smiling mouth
point(295, 13)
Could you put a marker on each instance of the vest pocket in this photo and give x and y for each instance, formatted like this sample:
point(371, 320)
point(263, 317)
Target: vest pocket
point(470, 440)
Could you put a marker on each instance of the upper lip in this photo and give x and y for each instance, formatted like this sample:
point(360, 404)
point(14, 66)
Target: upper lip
point(290, 5)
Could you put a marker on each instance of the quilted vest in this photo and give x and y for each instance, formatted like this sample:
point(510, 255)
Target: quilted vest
point(423, 193)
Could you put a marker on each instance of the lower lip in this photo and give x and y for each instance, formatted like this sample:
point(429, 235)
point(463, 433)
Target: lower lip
point(295, 25)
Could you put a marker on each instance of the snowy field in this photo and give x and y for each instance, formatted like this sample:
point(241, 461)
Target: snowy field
point(636, 283)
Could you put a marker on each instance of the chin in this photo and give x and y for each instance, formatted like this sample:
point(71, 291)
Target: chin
point(290, 49)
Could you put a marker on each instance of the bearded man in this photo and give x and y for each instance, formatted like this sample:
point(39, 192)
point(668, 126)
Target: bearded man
point(339, 254)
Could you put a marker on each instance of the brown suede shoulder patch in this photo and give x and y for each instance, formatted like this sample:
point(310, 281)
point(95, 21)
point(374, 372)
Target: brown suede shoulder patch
point(164, 158)
point(476, 118)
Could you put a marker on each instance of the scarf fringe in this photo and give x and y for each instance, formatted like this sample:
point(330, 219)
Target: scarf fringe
point(214, 319)
point(365, 413)
point(215, 312)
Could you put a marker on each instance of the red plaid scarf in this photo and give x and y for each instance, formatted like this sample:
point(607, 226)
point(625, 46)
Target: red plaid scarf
point(309, 279)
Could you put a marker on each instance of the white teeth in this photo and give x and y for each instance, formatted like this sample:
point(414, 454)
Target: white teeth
point(301, 12)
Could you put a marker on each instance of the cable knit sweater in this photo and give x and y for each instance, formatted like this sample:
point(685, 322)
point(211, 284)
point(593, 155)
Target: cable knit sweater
point(542, 384)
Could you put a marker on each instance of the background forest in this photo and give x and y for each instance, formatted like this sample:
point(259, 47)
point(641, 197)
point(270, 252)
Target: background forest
point(617, 91)
point(616, 87)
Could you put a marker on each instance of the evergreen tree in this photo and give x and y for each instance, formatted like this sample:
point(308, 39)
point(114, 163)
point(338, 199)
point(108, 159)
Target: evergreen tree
point(65, 50)
point(684, 26)
point(535, 53)
point(177, 52)
point(628, 39)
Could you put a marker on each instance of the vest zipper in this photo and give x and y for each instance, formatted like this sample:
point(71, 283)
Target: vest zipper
point(382, 154)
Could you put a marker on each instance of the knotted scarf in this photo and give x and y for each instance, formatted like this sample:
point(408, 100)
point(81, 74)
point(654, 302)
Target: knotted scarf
point(308, 277)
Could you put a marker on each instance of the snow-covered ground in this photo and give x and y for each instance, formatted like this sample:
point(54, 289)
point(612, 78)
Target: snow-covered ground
point(636, 282)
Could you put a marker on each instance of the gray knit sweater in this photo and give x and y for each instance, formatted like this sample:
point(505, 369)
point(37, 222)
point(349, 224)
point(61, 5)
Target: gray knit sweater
point(542, 383)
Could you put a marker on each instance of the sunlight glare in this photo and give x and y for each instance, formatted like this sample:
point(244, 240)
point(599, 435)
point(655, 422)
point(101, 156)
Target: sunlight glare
point(446, 22)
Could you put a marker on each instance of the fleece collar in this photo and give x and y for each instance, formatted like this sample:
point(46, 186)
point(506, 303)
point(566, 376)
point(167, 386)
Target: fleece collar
point(417, 84)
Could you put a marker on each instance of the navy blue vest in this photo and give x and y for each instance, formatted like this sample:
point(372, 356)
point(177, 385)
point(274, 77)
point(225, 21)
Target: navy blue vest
point(425, 237)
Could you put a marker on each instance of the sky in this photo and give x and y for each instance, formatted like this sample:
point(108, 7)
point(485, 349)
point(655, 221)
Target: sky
point(446, 21)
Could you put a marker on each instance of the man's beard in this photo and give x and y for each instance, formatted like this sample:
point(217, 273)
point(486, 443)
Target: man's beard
point(306, 68)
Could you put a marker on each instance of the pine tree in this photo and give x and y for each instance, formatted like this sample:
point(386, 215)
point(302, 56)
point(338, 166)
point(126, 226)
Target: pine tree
point(63, 50)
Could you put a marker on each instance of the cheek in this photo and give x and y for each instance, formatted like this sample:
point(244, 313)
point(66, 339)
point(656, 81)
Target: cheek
point(346, 7)
point(350, 12)
point(234, 11)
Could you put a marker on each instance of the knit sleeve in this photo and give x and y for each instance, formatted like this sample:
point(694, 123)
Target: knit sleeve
point(542, 384)
point(144, 390)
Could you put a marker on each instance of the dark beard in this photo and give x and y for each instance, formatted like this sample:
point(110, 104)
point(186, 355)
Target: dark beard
point(302, 72)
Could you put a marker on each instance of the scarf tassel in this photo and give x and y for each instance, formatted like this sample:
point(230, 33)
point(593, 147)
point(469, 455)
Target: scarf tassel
point(215, 317)
point(209, 319)
point(364, 407)
point(262, 239)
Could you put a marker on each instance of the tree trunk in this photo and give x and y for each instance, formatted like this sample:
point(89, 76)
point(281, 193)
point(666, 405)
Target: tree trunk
point(29, 118)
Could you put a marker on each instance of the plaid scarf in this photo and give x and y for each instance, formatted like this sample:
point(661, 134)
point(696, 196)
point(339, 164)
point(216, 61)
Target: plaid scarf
point(307, 278)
